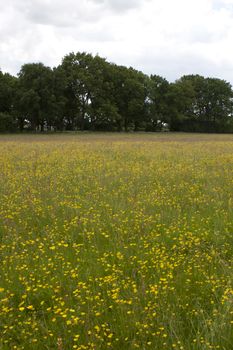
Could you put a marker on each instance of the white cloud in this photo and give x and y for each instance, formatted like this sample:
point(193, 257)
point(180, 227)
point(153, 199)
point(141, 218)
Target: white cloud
point(165, 37)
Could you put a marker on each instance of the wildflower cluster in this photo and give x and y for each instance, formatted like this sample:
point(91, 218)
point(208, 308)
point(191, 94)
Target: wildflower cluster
point(116, 245)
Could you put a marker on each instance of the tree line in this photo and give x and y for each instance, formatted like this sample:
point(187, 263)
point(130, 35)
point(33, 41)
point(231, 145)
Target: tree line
point(86, 92)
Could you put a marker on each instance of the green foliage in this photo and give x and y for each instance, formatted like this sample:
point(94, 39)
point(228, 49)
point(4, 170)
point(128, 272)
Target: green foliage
point(7, 122)
point(36, 94)
point(158, 102)
point(202, 104)
point(7, 92)
point(87, 92)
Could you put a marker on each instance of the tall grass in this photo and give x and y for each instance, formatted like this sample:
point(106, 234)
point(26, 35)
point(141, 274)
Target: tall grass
point(116, 242)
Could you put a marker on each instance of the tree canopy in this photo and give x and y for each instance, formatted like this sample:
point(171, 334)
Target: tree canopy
point(86, 92)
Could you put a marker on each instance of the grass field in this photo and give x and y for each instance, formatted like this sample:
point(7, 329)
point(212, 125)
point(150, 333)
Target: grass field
point(116, 242)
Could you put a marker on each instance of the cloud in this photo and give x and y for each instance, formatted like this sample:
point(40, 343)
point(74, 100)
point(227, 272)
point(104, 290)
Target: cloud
point(58, 13)
point(70, 13)
point(165, 37)
point(222, 4)
point(121, 5)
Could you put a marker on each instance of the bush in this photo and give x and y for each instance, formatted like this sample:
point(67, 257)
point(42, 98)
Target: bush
point(7, 122)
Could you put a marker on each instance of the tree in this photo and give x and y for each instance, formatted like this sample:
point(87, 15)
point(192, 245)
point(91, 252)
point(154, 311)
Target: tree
point(219, 103)
point(158, 102)
point(180, 99)
point(205, 104)
point(36, 94)
point(130, 93)
point(81, 81)
point(7, 96)
point(87, 92)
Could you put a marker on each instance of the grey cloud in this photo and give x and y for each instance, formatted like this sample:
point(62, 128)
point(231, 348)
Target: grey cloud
point(121, 5)
point(58, 13)
point(204, 35)
point(139, 33)
point(173, 65)
point(70, 12)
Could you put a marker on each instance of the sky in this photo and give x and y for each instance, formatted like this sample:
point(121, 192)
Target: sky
point(165, 37)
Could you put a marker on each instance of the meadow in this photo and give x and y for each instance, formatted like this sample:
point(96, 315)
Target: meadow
point(116, 242)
